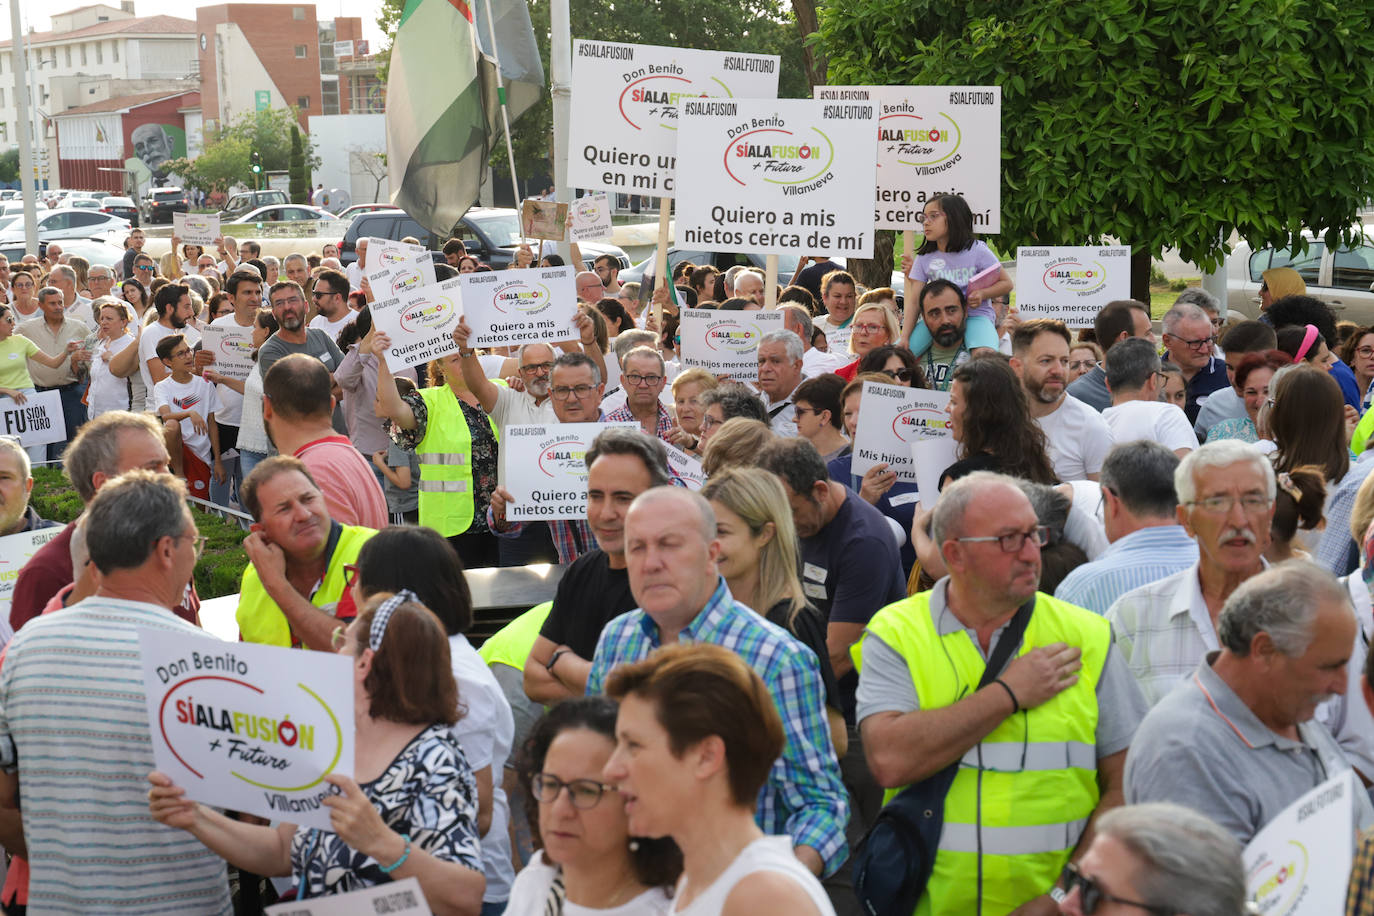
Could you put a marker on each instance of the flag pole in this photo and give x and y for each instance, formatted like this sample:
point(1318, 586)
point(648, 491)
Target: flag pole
point(501, 97)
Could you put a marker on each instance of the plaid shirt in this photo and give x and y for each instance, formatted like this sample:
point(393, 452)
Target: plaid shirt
point(804, 797)
point(623, 415)
point(1359, 899)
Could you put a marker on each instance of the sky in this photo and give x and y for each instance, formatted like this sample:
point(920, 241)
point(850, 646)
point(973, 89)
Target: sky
point(36, 12)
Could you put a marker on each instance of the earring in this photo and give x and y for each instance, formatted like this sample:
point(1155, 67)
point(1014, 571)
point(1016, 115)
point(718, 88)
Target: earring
point(634, 845)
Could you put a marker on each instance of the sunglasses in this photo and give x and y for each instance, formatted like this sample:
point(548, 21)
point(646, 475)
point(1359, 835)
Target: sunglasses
point(901, 375)
point(1091, 896)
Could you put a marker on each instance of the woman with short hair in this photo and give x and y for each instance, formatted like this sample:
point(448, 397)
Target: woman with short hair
point(687, 387)
point(874, 326)
point(820, 414)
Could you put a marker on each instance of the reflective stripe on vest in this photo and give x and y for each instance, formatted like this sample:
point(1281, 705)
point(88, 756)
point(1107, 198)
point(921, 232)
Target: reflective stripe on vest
point(443, 458)
point(445, 453)
point(443, 486)
point(1014, 756)
point(1011, 841)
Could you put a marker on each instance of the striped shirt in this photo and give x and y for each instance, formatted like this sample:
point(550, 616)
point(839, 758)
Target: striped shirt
point(74, 722)
point(1137, 559)
point(804, 797)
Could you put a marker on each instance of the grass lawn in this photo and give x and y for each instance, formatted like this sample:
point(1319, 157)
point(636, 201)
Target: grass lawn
point(220, 567)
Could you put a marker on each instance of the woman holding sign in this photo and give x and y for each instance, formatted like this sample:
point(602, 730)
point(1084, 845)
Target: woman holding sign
point(113, 364)
point(413, 811)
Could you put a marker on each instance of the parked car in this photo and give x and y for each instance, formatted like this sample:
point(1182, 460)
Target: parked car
point(69, 223)
point(159, 204)
point(491, 235)
point(246, 201)
point(1343, 278)
point(8, 193)
point(289, 213)
point(106, 254)
point(83, 203)
point(350, 212)
point(121, 207)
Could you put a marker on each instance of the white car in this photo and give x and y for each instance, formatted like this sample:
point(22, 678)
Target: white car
point(68, 223)
point(1343, 278)
point(285, 213)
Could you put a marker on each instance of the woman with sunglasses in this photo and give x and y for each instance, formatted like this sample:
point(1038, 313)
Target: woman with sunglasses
point(412, 813)
point(897, 363)
point(874, 326)
point(586, 861)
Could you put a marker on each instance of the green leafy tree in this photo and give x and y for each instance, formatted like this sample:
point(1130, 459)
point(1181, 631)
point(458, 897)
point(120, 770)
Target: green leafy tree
point(221, 165)
point(300, 179)
point(9, 165)
point(269, 132)
point(1161, 124)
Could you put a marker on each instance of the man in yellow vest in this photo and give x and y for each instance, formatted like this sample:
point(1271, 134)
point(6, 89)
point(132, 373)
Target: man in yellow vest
point(295, 590)
point(1040, 749)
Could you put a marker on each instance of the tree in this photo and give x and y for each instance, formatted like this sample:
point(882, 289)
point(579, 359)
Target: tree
point(300, 179)
point(373, 162)
point(9, 165)
point(221, 165)
point(269, 132)
point(1160, 124)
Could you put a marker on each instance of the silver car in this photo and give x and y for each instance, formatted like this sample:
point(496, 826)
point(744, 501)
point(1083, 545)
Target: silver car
point(68, 223)
point(1343, 278)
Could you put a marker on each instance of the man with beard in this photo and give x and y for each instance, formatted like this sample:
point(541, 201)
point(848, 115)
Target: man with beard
point(173, 304)
point(1237, 739)
point(1076, 437)
point(945, 311)
point(288, 307)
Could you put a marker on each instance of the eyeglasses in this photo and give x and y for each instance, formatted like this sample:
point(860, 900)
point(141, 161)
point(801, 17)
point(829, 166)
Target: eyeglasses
point(537, 367)
point(803, 411)
point(197, 539)
point(1091, 896)
point(287, 300)
point(350, 572)
point(902, 375)
point(1364, 352)
point(583, 793)
point(710, 422)
point(317, 293)
point(1012, 543)
point(1202, 343)
point(868, 328)
point(1082, 364)
point(563, 392)
point(1220, 505)
point(637, 380)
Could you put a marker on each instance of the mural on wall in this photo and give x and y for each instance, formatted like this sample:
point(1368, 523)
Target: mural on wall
point(152, 144)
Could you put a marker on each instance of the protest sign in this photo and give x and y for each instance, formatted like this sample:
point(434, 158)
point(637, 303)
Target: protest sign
point(589, 218)
point(1071, 283)
point(400, 897)
point(623, 134)
point(546, 469)
point(402, 276)
point(38, 421)
point(837, 339)
point(195, 228)
point(933, 140)
point(776, 176)
point(15, 551)
point(248, 727)
point(932, 457)
point(544, 219)
point(686, 468)
point(892, 417)
point(233, 349)
point(383, 254)
point(420, 323)
point(724, 343)
point(537, 304)
point(1299, 863)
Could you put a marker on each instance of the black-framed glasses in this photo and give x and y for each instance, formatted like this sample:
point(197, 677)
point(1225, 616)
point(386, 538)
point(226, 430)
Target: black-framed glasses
point(583, 793)
point(637, 380)
point(537, 367)
point(1091, 895)
point(1012, 543)
point(1202, 343)
point(317, 292)
point(902, 375)
point(803, 411)
point(563, 392)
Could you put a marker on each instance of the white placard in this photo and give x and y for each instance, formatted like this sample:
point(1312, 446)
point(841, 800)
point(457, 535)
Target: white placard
point(401, 897)
point(624, 128)
point(195, 228)
point(837, 339)
point(420, 323)
point(725, 343)
point(932, 457)
point(1071, 283)
point(233, 349)
point(248, 727)
point(385, 254)
point(535, 305)
point(892, 417)
point(402, 276)
point(38, 421)
point(546, 470)
point(589, 217)
point(343, 49)
point(934, 140)
point(1299, 863)
point(15, 551)
point(776, 176)
point(686, 468)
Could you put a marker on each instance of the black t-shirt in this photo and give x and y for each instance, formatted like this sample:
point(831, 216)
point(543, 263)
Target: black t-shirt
point(590, 595)
point(811, 276)
point(983, 461)
point(808, 628)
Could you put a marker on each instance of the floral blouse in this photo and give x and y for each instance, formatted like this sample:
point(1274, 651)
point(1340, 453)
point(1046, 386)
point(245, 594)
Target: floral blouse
point(427, 793)
point(484, 451)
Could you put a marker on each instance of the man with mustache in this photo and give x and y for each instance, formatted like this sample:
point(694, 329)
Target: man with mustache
point(1237, 740)
point(1076, 437)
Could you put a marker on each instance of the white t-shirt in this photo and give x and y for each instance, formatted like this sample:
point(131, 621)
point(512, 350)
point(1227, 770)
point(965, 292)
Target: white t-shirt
point(198, 395)
point(517, 408)
point(818, 362)
point(1078, 439)
point(230, 401)
point(332, 328)
point(354, 273)
point(107, 391)
point(1157, 421)
point(769, 853)
point(147, 349)
point(530, 893)
point(486, 732)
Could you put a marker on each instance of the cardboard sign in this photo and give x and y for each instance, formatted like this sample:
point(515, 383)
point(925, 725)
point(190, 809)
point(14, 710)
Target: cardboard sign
point(544, 219)
point(195, 228)
point(933, 140)
point(1299, 863)
point(686, 468)
point(623, 134)
point(384, 254)
point(38, 421)
point(932, 458)
point(420, 323)
point(546, 469)
point(402, 277)
point(1071, 284)
point(890, 419)
point(401, 897)
point(15, 551)
point(589, 218)
point(508, 307)
point(725, 343)
point(233, 349)
point(248, 727)
point(776, 177)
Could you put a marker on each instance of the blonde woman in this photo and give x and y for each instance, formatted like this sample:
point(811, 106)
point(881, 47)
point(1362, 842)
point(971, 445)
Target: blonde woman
point(686, 388)
point(735, 444)
point(874, 326)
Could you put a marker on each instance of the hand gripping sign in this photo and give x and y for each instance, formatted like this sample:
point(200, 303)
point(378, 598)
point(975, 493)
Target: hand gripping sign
point(536, 305)
point(247, 727)
point(1071, 284)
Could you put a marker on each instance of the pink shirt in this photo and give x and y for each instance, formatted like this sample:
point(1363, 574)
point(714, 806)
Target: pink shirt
point(350, 488)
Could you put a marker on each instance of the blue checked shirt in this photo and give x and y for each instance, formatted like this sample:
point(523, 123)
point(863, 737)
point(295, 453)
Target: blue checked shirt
point(804, 797)
point(1137, 559)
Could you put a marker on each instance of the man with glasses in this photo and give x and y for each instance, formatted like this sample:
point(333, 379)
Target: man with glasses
point(331, 302)
point(1134, 378)
point(174, 313)
point(607, 268)
point(1077, 439)
point(1190, 342)
point(780, 372)
point(589, 287)
point(1039, 751)
point(100, 281)
point(145, 271)
point(643, 376)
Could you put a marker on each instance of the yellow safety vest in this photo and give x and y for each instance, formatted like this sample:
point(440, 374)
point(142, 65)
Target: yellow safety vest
point(259, 618)
point(511, 644)
point(1022, 796)
point(445, 453)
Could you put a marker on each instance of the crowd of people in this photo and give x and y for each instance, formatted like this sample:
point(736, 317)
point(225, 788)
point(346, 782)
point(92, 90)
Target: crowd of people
point(1126, 634)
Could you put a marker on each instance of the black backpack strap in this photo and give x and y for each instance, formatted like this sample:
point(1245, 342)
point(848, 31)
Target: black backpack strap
point(1010, 641)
